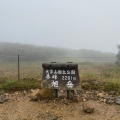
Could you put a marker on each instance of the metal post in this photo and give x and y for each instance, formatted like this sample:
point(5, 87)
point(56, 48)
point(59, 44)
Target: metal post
point(18, 67)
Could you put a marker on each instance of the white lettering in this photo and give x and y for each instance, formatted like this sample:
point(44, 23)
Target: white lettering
point(59, 71)
point(47, 76)
point(68, 71)
point(55, 72)
point(54, 83)
point(47, 71)
point(73, 72)
point(64, 72)
point(51, 71)
point(69, 84)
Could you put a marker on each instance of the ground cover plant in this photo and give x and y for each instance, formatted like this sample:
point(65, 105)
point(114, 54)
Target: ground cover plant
point(31, 74)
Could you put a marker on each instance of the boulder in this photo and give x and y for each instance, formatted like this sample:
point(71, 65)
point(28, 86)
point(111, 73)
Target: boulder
point(36, 94)
point(88, 107)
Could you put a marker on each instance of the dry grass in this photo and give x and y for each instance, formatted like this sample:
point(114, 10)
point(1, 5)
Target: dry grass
point(33, 71)
point(88, 71)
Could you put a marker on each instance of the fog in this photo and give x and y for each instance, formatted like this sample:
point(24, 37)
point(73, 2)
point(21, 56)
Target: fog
point(75, 24)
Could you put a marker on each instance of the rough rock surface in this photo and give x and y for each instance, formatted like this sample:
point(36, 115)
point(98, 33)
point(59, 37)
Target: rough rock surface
point(2, 96)
point(19, 107)
point(117, 100)
point(36, 94)
point(88, 107)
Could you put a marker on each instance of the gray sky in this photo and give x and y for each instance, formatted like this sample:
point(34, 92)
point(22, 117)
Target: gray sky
point(76, 24)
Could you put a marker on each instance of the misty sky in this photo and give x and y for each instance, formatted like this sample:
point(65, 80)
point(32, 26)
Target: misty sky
point(76, 24)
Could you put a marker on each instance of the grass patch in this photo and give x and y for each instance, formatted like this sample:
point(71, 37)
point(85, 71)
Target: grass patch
point(89, 85)
point(48, 93)
point(13, 85)
point(112, 86)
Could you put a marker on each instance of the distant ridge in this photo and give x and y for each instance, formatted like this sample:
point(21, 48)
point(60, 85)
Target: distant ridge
point(34, 53)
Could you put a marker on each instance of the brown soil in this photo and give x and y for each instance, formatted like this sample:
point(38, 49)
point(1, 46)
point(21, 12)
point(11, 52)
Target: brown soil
point(19, 107)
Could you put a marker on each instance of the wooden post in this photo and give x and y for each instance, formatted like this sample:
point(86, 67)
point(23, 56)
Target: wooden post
point(18, 67)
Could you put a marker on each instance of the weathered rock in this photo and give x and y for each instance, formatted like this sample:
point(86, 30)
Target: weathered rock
point(112, 92)
point(117, 100)
point(36, 94)
point(101, 95)
point(61, 91)
point(91, 97)
point(85, 83)
point(88, 107)
point(17, 92)
point(54, 117)
point(95, 82)
point(101, 100)
point(110, 101)
point(76, 99)
point(106, 97)
point(2, 96)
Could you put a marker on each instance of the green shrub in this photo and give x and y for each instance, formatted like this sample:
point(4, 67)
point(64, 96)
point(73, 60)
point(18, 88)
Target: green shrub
point(112, 86)
point(12, 85)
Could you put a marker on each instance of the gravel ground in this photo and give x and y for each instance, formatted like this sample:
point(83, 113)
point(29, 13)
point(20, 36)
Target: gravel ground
point(19, 107)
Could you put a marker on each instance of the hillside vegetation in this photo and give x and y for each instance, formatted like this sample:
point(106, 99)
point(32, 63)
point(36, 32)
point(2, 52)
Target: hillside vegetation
point(37, 53)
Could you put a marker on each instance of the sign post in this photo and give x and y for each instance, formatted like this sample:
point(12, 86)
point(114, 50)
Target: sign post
point(61, 76)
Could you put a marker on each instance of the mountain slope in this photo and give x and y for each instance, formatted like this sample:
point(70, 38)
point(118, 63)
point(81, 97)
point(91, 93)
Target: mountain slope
point(32, 53)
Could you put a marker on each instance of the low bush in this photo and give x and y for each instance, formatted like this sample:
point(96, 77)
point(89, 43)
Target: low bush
point(13, 85)
point(112, 86)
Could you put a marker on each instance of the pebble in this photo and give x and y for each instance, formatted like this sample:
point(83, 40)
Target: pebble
point(112, 92)
point(95, 82)
point(117, 100)
point(54, 117)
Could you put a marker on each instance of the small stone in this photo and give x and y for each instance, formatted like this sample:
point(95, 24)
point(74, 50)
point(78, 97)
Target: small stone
point(84, 100)
point(88, 107)
point(112, 92)
point(106, 97)
point(104, 100)
point(24, 93)
point(16, 93)
point(32, 90)
point(62, 91)
point(91, 97)
point(109, 101)
point(95, 82)
point(54, 117)
point(101, 100)
point(101, 95)
point(85, 83)
point(117, 100)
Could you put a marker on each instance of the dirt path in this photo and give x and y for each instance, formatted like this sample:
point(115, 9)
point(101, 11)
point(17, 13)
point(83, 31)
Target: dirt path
point(19, 107)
